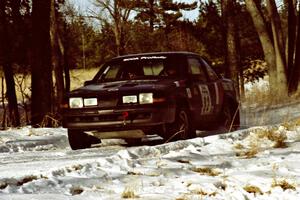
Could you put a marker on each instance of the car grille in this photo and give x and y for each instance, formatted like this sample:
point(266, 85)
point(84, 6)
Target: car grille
point(103, 118)
point(107, 102)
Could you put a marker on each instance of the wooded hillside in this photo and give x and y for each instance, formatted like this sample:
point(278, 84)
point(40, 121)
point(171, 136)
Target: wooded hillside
point(242, 39)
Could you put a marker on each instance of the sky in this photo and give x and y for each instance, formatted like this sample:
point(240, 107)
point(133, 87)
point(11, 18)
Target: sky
point(84, 5)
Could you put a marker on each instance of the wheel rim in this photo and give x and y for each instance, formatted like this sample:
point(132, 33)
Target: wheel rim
point(183, 125)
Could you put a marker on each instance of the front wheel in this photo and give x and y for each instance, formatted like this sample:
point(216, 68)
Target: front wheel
point(80, 140)
point(181, 128)
point(133, 141)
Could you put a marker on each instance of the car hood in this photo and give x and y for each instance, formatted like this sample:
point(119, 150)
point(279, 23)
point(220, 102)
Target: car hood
point(127, 86)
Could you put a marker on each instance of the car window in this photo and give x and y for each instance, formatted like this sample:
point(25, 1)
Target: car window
point(153, 68)
point(111, 71)
point(211, 73)
point(144, 67)
point(196, 69)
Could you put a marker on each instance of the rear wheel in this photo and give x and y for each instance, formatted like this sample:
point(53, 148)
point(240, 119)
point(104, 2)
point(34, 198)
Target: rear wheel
point(80, 140)
point(181, 128)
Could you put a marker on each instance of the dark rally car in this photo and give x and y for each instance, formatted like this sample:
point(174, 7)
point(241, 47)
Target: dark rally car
point(167, 93)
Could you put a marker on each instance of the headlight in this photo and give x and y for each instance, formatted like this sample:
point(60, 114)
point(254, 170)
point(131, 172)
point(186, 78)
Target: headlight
point(76, 102)
point(90, 102)
point(129, 99)
point(146, 98)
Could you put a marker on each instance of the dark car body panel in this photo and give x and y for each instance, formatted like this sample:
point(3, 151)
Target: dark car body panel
point(203, 99)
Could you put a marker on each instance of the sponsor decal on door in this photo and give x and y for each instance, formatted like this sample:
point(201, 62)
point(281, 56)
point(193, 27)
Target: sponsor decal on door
point(207, 107)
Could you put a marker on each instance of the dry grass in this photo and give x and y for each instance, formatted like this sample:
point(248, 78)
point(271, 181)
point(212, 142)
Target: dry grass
point(251, 152)
point(284, 184)
point(277, 137)
point(78, 76)
point(23, 91)
point(290, 125)
point(181, 198)
point(74, 168)
point(259, 96)
point(50, 120)
point(3, 185)
point(253, 189)
point(183, 161)
point(239, 146)
point(207, 171)
point(76, 190)
point(26, 179)
point(21, 182)
point(258, 101)
point(135, 173)
point(129, 193)
point(204, 193)
point(196, 193)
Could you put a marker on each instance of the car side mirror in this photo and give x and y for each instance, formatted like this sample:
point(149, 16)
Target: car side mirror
point(87, 82)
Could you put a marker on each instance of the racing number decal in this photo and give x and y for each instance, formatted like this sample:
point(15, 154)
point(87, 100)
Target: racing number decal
point(206, 100)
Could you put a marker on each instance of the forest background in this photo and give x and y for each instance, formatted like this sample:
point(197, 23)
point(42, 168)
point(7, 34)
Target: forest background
point(242, 39)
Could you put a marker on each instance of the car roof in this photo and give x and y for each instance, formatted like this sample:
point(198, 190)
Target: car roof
point(154, 54)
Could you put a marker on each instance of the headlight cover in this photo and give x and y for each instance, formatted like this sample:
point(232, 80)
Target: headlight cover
point(129, 99)
point(90, 102)
point(146, 98)
point(75, 102)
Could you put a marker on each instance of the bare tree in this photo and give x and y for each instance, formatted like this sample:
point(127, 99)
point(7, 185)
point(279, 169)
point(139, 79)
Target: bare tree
point(41, 72)
point(118, 12)
point(293, 58)
point(4, 125)
point(272, 52)
point(6, 62)
point(278, 43)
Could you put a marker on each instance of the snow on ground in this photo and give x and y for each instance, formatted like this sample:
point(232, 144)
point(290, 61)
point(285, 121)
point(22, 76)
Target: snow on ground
point(257, 163)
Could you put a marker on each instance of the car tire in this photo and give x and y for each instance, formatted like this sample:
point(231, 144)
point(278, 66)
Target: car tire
point(79, 140)
point(230, 117)
point(133, 141)
point(181, 128)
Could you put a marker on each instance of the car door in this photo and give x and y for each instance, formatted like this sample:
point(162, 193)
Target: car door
point(214, 84)
point(200, 92)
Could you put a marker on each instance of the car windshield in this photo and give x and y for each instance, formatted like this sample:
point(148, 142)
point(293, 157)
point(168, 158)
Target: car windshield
point(143, 67)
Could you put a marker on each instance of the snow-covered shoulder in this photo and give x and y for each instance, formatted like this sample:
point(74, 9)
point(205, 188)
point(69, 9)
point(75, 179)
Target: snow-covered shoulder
point(257, 163)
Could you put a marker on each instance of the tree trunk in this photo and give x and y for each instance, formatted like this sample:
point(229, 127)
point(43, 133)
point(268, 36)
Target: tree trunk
point(11, 95)
point(295, 79)
point(119, 37)
point(57, 62)
point(266, 42)
point(231, 38)
point(152, 15)
point(292, 83)
point(66, 60)
point(278, 47)
point(4, 126)
point(5, 53)
point(41, 72)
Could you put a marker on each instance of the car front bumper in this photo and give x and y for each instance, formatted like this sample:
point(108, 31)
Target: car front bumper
point(118, 119)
